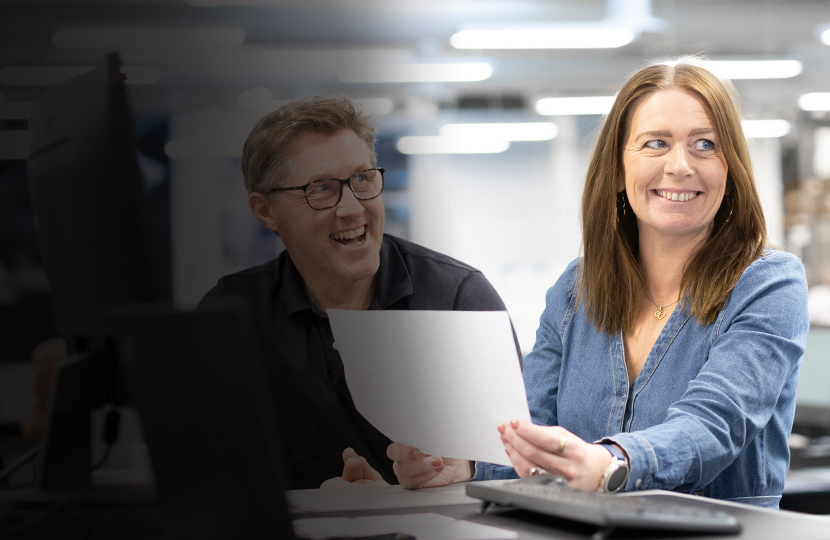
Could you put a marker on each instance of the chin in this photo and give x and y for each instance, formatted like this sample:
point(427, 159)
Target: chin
point(359, 271)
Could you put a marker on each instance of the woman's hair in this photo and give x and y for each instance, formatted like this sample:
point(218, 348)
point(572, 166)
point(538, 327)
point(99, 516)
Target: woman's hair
point(611, 278)
point(264, 159)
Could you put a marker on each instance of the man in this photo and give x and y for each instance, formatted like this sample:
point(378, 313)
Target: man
point(312, 178)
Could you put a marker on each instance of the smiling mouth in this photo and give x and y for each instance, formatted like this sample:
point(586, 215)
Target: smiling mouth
point(679, 197)
point(350, 238)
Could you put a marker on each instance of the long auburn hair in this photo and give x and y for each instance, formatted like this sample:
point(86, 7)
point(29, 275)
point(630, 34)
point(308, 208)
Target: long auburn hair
point(611, 277)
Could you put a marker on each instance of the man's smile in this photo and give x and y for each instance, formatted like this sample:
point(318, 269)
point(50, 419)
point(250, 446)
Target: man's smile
point(350, 238)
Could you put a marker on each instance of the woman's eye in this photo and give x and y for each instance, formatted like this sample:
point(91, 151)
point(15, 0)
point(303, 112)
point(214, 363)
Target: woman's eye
point(656, 144)
point(704, 145)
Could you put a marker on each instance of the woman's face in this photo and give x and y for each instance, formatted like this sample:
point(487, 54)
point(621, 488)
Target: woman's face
point(674, 170)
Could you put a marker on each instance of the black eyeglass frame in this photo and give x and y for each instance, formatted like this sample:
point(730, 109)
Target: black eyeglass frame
point(342, 183)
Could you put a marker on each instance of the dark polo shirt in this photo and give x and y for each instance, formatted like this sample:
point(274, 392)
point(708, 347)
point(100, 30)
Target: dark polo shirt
point(319, 419)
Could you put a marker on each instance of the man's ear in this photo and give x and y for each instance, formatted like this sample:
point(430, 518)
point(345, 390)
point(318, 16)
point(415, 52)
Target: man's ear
point(261, 209)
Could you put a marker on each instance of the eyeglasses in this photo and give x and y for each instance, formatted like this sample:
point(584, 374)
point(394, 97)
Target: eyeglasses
point(326, 193)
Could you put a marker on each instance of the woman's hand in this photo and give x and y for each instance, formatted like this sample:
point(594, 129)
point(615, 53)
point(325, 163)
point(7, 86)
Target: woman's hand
point(356, 472)
point(416, 470)
point(556, 450)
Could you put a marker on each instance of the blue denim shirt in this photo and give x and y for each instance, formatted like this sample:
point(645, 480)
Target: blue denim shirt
point(712, 408)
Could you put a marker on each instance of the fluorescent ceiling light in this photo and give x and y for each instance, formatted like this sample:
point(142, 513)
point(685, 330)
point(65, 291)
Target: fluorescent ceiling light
point(825, 37)
point(815, 101)
point(450, 145)
point(411, 73)
point(757, 129)
point(524, 131)
point(754, 69)
point(598, 37)
point(147, 38)
point(566, 106)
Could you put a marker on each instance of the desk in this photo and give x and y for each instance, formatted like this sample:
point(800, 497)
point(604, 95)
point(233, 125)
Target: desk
point(758, 523)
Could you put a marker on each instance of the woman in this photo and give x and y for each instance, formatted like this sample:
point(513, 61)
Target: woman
point(667, 356)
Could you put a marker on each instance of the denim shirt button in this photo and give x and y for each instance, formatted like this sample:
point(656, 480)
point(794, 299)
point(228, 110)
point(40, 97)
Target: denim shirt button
point(638, 483)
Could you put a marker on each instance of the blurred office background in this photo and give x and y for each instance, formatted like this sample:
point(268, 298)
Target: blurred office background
point(503, 199)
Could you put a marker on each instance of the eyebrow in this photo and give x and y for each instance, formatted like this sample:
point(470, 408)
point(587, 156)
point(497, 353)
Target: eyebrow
point(317, 178)
point(696, 131)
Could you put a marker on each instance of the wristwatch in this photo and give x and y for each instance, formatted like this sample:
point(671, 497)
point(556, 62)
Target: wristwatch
point(616, 474)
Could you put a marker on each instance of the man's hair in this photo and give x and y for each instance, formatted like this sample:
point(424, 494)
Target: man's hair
point(611, 278)
point(264, 159)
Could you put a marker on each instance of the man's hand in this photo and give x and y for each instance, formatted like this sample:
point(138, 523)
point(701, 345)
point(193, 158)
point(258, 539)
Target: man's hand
point(556, 450)
point(356, 472)
point(416, 470)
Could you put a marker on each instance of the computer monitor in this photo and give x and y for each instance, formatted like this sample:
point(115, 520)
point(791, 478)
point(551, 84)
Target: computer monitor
point(95, 239)
point(94, 231)
point(812, 411)
point(199, 385)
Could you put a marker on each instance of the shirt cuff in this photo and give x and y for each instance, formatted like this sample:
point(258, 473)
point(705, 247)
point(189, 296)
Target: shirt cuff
point(642, 460)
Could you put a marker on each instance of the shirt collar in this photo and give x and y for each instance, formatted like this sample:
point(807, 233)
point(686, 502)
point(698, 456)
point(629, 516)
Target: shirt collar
point(393, 282)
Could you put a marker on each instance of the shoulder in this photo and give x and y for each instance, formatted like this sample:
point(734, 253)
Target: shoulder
point(773, 268)
point(565, 288)
point(251, 282)
point(438, 281)
point(419, 256)
point(560, 300)
point(773, 284)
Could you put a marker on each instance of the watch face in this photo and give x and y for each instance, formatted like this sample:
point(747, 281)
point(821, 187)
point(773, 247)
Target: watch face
point(616, 480)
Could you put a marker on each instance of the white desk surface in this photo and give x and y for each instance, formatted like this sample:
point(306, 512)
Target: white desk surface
point(758, 523)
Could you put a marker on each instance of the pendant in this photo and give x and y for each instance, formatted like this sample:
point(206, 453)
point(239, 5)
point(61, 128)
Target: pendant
point(660, 313)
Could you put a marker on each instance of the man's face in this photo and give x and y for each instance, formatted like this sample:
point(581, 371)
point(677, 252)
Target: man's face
point(310, 236)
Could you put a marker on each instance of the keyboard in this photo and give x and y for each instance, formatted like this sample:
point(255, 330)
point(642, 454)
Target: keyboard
point(549, 494)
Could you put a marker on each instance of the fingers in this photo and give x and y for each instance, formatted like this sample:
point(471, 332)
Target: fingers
point(554, 439)
point(349, 453)
point(540, 446)
point(414, 469)
point(401, 452)
point(334, 483)
point(520, 464)
point(356, 468)
point(353, 469)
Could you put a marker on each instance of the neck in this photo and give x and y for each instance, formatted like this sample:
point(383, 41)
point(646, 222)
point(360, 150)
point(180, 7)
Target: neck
point(342, 295)
point(663, 261)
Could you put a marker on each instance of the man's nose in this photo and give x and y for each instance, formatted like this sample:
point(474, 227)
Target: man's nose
point(348, 205)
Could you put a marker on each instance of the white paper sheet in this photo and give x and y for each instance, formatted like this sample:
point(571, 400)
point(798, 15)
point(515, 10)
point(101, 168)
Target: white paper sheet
point(441, 381)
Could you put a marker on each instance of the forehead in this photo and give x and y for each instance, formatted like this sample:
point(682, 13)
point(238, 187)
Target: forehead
point(315, 155)
point(673, 108)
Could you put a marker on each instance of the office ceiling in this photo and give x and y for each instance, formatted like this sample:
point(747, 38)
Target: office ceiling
point(295, 47)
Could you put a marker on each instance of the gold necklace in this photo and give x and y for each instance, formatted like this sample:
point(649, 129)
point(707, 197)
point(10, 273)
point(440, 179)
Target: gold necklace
point(661, 311)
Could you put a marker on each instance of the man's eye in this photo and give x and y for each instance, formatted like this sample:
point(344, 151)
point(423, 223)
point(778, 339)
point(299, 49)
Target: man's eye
point(704, 145)
point(656, 144)
point(322, 187)
point(359, 178)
